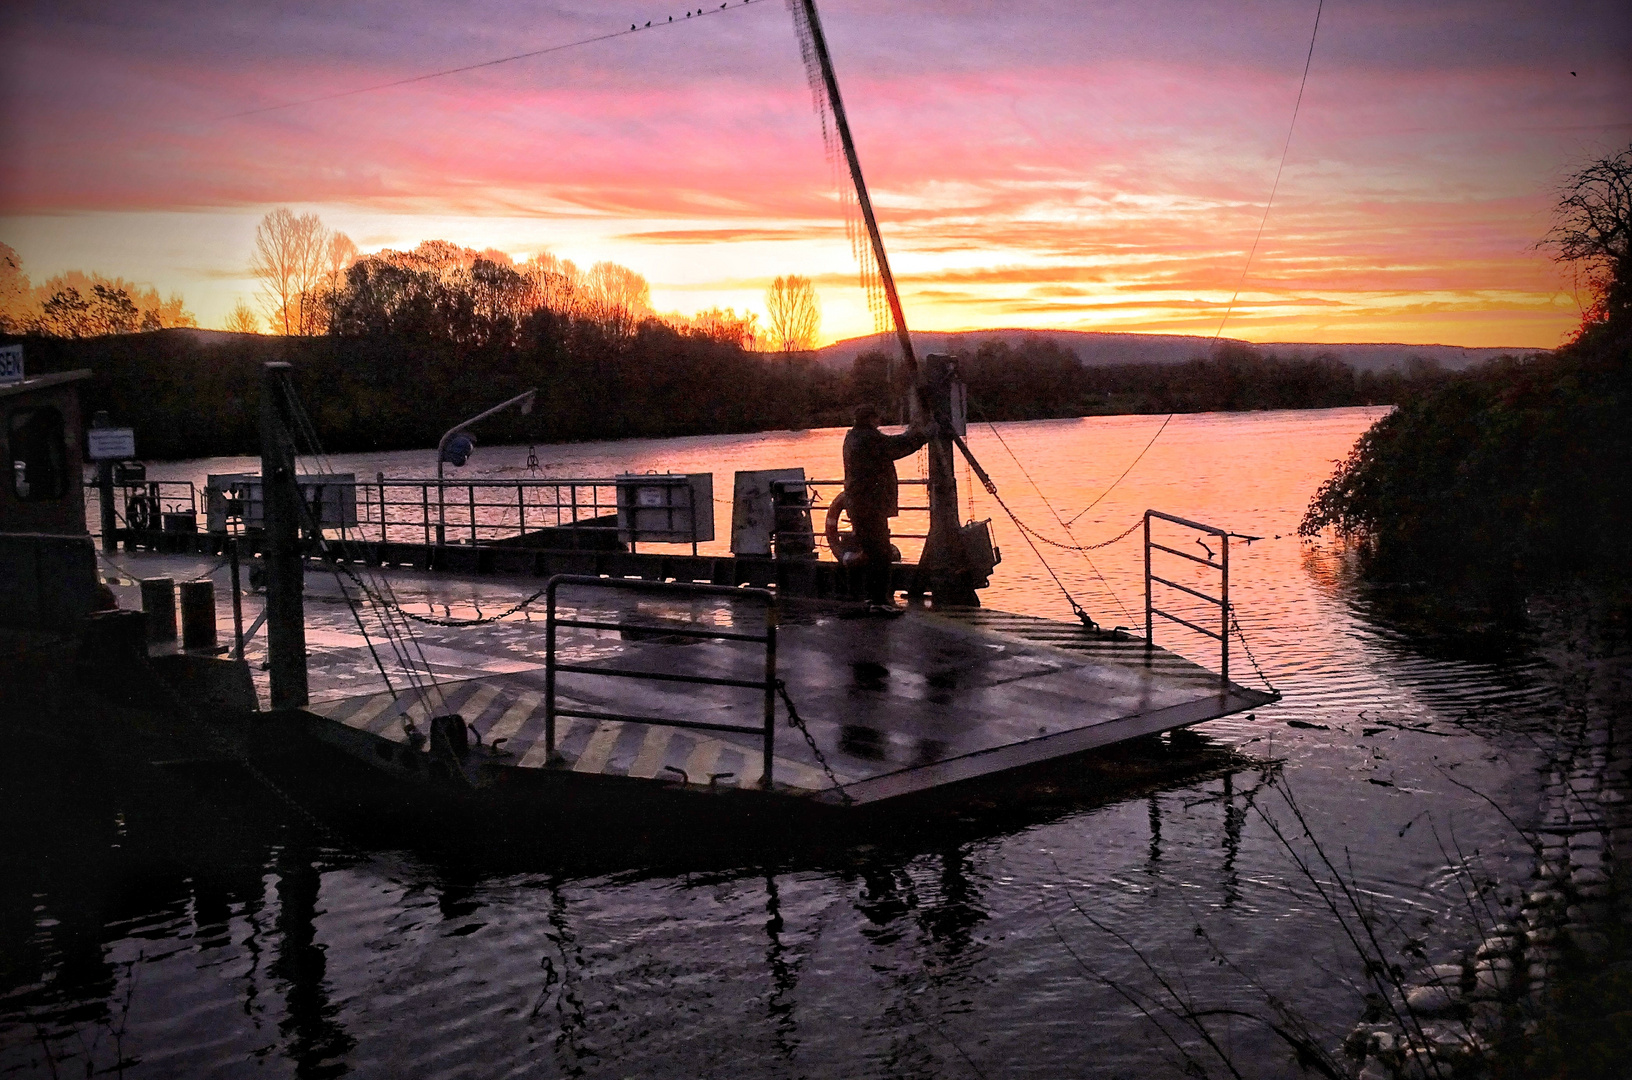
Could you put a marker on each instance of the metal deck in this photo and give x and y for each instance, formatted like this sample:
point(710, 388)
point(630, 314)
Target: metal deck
point(898, 706)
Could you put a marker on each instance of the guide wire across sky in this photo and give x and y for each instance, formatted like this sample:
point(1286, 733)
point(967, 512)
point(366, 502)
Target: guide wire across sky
point(634, 28)
point(1253, 250)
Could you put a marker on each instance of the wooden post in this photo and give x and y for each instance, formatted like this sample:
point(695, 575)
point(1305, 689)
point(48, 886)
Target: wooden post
point(770, 694)
point(285, 571)
point(237, 601)
point(110, 521)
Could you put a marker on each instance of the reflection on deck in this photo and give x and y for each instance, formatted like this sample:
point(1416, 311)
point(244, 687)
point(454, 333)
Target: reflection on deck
point(895, 706)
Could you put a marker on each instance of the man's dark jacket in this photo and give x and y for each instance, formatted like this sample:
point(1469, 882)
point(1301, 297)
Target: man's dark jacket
point(870, 484)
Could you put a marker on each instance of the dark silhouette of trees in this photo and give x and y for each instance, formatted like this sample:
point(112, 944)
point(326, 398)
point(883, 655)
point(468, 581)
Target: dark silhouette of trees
point(1592, 233)
point(1517, 471)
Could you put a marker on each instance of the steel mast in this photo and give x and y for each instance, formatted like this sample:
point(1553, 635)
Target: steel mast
point(943, 567)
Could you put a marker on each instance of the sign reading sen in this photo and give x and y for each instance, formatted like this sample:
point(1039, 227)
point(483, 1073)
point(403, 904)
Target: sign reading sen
point(11, 364)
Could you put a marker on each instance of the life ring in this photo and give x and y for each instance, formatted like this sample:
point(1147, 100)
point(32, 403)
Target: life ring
point(141, 513)
point(844, 545)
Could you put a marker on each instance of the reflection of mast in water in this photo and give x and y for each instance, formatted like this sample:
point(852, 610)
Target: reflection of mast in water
point(558, 991)
point(314, 1036)
point(784, 974)
point(1234, 818)
point(1155, 831)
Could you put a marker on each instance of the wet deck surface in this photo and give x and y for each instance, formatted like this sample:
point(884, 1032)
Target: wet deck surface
point(896, 705)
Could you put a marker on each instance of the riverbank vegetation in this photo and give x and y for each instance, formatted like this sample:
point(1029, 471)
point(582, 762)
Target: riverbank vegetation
point(1520, 468)
point(386, 383)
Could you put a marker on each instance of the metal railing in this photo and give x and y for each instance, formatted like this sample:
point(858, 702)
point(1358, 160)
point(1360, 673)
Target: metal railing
point(767, 686)
point(819, 495)
point(569, 513)
point(143, 504)
point(1222, 602)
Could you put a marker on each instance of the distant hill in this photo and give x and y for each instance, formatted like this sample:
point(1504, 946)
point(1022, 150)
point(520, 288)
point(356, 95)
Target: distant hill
point(1097, 349)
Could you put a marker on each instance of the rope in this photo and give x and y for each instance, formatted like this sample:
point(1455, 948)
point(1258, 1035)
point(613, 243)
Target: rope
point(795, 721)
point(402, 640)
point(1129, 469)
point(1026, 529)
point(1307, 61)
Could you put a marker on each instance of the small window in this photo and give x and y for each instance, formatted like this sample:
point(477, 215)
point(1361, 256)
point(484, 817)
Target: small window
point(39, 455)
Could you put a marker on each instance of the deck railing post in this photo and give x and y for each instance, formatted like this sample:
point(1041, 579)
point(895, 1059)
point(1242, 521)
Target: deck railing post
point(379, 478)
point(470, 490)
point(1150, 628)
point(770, 692)
point(549, 673)
point(1224, 611)
point(425, 510)
point(237, 601)
point(521, 511)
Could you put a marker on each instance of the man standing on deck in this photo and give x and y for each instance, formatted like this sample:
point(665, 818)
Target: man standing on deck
point(872, 496)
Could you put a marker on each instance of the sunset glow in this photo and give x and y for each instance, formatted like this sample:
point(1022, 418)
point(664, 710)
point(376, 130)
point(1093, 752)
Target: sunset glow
point(1091, 167)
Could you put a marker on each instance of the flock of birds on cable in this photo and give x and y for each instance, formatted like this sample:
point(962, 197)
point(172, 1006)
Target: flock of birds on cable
point(689, 14)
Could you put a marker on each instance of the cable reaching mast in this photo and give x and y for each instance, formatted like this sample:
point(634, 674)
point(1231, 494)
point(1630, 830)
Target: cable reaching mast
point(944, 565)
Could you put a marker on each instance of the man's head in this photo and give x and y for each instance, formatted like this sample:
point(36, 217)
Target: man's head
point(867, 416)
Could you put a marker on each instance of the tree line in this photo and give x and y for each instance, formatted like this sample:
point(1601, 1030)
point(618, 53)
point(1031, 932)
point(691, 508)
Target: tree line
point(80, 305)
point(416, 360)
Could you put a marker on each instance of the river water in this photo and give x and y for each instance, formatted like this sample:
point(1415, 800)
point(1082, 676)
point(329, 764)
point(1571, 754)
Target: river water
point(161, 928)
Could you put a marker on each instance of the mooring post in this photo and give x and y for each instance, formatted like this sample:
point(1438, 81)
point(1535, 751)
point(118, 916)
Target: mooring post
point(549, 673)
point(770, 695)
point(285, 571)
point(237, 601)
point(1224, 637)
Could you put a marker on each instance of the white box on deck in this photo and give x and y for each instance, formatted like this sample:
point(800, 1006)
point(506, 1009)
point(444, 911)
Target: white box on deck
point(753, 509)
point(665, 508)
point(333, 497)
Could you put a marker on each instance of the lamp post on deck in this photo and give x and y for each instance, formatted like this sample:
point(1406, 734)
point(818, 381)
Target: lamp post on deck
point(524, 400)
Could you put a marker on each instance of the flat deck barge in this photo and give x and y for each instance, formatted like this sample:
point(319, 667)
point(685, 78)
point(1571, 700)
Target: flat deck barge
point(664, 687)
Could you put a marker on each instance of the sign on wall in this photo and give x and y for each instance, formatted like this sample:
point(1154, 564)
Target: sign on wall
point(11, 364)
point(110, 443)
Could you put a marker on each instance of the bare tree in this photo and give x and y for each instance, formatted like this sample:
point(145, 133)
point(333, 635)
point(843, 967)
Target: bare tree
point(617, 298)
point(794, 314)
point(338, 255)
point(289, 259)
point(1592, 231)
point(555, 283)
point(242, 320)
point(725, 326)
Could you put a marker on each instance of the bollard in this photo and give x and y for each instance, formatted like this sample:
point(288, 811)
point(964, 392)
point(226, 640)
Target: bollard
point(198, 614)
point(159, 605)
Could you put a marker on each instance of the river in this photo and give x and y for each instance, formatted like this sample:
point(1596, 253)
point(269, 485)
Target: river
point(192, 931)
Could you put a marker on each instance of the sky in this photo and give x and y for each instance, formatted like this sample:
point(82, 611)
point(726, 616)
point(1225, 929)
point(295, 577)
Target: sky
point(1036, 163)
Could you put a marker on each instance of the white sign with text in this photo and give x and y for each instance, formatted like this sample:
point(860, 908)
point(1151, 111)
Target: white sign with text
point(110, 443)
